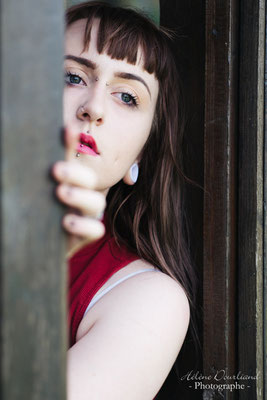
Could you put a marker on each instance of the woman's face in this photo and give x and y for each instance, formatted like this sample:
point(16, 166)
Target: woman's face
point(111, 102)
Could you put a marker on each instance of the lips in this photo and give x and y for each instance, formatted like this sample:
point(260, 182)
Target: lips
point(87, 145)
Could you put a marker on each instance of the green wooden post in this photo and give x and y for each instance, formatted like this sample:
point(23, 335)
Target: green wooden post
point(150, 7)
point(33, 272)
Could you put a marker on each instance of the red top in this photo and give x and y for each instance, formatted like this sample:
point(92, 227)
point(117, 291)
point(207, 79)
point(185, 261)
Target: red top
point(89, 269)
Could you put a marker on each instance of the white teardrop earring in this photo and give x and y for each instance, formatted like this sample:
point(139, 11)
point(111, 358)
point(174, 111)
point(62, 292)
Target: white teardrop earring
point(134, 172)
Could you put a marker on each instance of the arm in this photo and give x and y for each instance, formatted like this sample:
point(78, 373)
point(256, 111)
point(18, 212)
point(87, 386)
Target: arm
point(131, 348)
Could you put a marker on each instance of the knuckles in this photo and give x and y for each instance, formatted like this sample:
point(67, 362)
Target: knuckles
point(88, 201)
point(73, 173)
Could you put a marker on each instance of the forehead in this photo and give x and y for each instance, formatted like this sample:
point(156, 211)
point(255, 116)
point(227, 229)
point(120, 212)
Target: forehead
point(74, 36)
point(74, 43)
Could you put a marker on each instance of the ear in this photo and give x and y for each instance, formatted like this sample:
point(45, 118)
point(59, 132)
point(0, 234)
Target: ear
point(131, 175)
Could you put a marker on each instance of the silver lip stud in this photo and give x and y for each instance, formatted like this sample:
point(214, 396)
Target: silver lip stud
point(77, 154)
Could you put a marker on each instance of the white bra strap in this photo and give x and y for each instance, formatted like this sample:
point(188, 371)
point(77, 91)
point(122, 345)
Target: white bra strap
point(96, 298)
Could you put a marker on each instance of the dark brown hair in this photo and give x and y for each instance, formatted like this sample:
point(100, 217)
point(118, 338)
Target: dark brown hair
point(149, 216)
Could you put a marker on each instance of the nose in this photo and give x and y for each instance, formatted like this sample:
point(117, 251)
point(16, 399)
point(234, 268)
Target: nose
point(92, 109)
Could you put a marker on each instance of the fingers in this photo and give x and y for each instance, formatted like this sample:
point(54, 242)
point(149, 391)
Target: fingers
point(86, 229)
point(73, 173)
point(76, 189)
point(83, 227)
point(89, 202)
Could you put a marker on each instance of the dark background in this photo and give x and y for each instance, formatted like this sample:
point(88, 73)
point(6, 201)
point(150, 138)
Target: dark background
point(187, 19)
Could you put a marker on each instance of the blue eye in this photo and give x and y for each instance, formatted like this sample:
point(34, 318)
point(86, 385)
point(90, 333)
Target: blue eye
point(74, 79)
point(126, 98)
point(129, 99)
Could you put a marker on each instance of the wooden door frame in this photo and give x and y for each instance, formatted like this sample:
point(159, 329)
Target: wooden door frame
point(33, 273)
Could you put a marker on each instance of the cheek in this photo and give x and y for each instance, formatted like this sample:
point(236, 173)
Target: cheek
point(130, 138)
point(70, 105)
point(67, 106)
point(140, 128)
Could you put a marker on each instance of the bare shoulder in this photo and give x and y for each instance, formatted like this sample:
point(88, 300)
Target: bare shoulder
point(163, 289)
point(135, 339)
point(150, 289)
point(156, 302)
point(170, 289)
point(163, 294)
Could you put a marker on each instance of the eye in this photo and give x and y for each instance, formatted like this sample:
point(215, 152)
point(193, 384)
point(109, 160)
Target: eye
point(73, 79)
point(127, 98)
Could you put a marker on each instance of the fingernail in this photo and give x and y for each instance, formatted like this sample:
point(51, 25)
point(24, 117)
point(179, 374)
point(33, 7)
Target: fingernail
point(66, 190)
point(69, 221)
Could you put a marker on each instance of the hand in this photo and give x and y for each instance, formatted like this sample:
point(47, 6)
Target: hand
point(76, 189)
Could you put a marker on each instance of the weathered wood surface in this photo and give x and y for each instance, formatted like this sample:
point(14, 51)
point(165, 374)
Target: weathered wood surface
point(33, 272)
point(265, 220)
point(219, 278)
point(250, 202)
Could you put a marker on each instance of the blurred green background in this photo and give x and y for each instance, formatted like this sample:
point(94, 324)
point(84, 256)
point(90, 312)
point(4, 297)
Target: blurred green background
point(150, 7)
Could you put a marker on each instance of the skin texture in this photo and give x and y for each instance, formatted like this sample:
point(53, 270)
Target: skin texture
point(127, 343)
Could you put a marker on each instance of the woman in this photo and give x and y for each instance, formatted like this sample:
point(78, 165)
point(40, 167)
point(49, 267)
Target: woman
point(131, 289)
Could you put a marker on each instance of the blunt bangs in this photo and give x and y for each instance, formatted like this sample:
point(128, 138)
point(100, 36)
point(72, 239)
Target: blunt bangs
point(123, 33)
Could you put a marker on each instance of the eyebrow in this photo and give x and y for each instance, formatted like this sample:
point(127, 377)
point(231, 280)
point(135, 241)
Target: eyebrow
point(126, 75)
point(83, 61)
point(92, 65)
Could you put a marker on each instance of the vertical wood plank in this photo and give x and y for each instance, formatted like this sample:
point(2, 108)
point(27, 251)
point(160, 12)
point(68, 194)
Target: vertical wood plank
point(265, 222)
point(220, 193)
point(250, 232)
point(33, 272)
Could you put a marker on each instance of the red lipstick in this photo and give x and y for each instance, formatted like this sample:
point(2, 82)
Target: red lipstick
point(87, 145)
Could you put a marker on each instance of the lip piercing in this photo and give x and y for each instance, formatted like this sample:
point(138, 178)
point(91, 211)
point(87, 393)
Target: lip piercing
point(78, 154)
